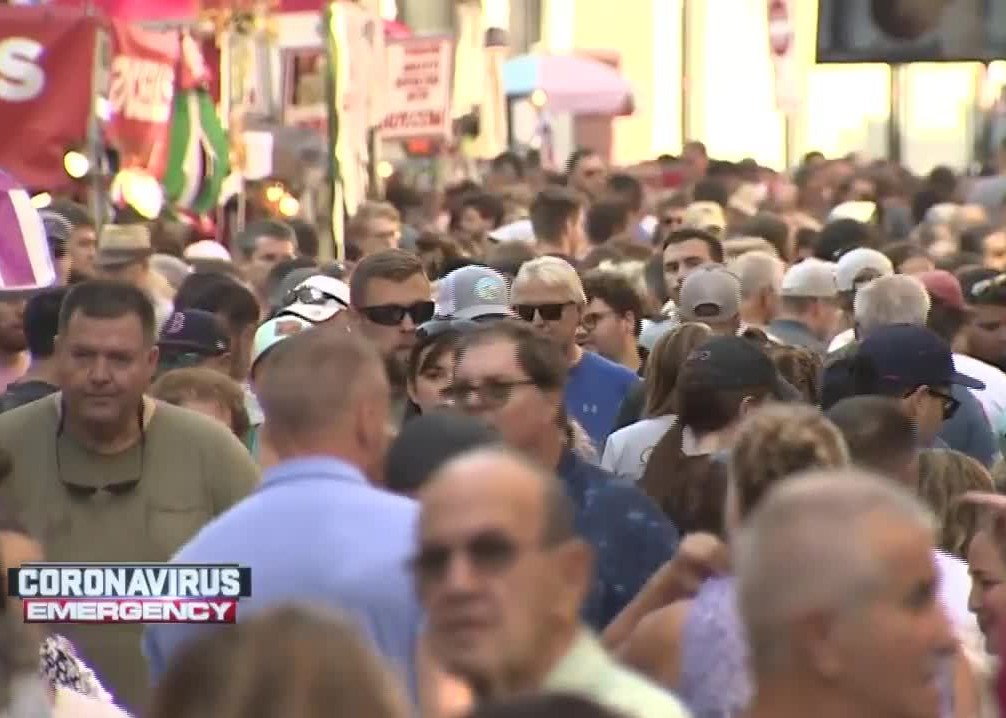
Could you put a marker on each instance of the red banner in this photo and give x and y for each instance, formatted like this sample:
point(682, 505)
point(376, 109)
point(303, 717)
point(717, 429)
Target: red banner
point(46, 61)
point(141, 91)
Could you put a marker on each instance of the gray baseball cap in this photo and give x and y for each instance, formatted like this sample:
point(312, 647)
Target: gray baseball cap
point(711, 293)
point(473, 292)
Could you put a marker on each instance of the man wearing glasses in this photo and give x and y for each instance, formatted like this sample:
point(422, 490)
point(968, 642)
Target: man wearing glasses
point(548, 294)
point(502, 574)
point(391, 296)
point(102, 473)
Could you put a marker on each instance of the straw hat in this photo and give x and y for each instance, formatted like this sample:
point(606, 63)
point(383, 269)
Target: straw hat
point(123, 244)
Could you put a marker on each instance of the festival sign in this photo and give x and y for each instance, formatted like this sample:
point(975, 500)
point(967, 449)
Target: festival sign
point(46, 61)
point(418, 99)
point(141, 93)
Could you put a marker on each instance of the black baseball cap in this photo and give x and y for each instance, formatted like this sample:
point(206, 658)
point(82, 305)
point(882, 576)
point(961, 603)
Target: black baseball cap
point(194, 331)
point(428, 442)
point(735, 363)
point(982, 285)
point(906, 356)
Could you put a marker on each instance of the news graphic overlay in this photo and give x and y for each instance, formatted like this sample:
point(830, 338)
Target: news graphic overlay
point(129, 593)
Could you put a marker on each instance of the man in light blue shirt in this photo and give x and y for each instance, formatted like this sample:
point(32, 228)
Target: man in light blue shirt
point(317, 530)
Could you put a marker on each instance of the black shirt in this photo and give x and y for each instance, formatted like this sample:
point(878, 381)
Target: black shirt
point(25, 392)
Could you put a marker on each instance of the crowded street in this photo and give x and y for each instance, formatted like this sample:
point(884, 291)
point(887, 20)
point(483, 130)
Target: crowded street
point(502, 358)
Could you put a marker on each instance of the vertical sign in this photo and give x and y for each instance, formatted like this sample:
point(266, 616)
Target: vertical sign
point(418, 100)
point(782, 50)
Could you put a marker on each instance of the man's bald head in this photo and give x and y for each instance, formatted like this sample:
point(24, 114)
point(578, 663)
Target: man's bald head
point(500, 469)
point(308, 382)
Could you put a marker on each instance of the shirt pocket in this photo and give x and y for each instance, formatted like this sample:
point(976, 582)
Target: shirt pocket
point(173, 522)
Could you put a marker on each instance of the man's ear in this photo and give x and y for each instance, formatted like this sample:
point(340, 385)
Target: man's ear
point(575, 570)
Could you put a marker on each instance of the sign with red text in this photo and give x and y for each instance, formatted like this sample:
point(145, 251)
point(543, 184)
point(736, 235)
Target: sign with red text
point(782, 51)
point(46, 63)
point(141, 91)
point(418, 99)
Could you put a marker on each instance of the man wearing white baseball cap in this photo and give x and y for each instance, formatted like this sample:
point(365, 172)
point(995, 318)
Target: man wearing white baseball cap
point(808, 307)
point(856, 269)
point(317, 299)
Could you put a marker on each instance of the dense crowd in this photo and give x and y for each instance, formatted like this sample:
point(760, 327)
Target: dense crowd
point(692, 438)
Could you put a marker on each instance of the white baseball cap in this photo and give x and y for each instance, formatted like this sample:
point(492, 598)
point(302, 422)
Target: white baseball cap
point(859, 265)
point(810, 278)
point(317, 299)
point(207, 249)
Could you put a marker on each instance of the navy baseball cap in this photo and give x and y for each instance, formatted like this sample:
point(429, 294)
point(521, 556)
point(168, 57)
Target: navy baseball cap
point(194, 331)
point(906, 356)
point(735, 363)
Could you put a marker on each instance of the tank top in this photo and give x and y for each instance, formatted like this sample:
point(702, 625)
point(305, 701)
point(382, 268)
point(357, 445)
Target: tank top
point(713, 680)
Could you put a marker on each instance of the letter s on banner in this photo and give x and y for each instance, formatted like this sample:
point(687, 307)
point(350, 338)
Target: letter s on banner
point(21, 78)
point(46, 56)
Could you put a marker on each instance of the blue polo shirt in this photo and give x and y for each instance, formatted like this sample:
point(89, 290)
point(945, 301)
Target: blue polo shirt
point(630, 535)
point(594, 393)
point(315, 531)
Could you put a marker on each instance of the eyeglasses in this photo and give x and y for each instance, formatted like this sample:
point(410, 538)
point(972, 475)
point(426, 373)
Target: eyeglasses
point(592, 319)
point(391, 315)
point(436, 327)
point(309, 295)
point(84, 491)
point(548, 312)
point(492, 393)
point(950, 404)
point(489, 553)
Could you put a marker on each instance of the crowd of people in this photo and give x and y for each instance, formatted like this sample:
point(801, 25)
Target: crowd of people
point(582, 444)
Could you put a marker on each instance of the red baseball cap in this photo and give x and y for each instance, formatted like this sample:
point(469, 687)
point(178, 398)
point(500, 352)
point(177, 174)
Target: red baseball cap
point(945, 287)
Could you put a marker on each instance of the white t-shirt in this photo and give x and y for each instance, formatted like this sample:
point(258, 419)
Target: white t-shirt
point(627, 450)
point(993, 396)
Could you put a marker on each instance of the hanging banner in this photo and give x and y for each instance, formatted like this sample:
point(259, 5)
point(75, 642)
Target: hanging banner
point(418, 99)
point(138, 10)
point(46, 56)
point(141, 94)
point(782, 50)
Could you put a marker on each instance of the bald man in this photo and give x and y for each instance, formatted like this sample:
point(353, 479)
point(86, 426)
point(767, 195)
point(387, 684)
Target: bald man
point(317, 529)
point(502, 576)
point(837, 592)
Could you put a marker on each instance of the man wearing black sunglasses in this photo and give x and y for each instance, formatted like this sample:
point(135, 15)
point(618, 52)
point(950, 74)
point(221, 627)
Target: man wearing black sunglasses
point(912, 363)
point(549, 295)
point(391, 297)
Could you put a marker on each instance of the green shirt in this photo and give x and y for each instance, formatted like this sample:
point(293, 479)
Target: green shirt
point(190, 469)
point(588, 671)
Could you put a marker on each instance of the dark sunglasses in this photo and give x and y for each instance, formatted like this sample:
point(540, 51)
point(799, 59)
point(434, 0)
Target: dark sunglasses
point(488, 553)
point(548, 312)
point(492, 394)
point(309, 295)
point(391, 315)
point(84, 491)
point(950, 404)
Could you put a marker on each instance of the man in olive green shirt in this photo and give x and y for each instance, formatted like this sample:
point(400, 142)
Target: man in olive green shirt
point(102, 473)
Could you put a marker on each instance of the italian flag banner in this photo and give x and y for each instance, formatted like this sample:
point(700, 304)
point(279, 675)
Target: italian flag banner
point(198, 151)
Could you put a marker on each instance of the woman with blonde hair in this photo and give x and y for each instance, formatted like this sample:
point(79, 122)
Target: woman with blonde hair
point(695, 645)
point(290, 661)
point(627, 450)
point(944, 477)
